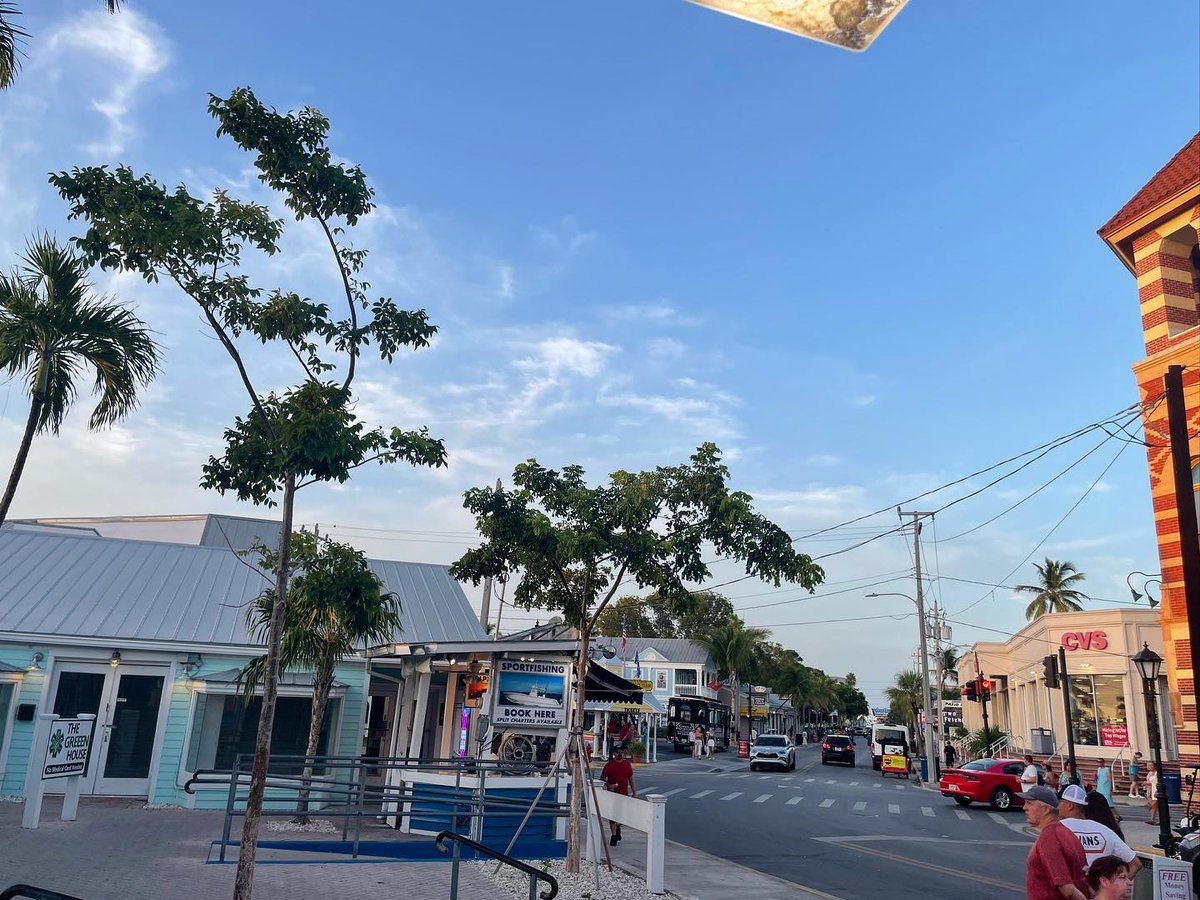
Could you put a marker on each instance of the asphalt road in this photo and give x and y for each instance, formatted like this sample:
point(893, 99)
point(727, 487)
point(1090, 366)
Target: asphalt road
point(846, 831)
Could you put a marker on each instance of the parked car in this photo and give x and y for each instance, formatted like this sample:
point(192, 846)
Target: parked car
point(772, 750)
point(994, 781)
point(837, 748)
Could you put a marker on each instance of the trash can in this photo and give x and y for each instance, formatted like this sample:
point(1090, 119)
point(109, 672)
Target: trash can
point(1042, 740)
point(1173, 782)
point(925, 769)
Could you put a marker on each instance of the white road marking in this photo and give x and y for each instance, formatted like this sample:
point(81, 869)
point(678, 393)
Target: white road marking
point(894, 808)
point(853, 783)
point(794, 801)
point(927, 811)
point(830, 781)
point(763, 798)
point(699, 795)
point(648, 790)
point(807, 780)
point(825, 804)
point(878, 784)
point(860, 806)
point(673, 792)
point(744, 775)
point(963, 814)
point(899, 787)
point(996, 817)
point(732, 796)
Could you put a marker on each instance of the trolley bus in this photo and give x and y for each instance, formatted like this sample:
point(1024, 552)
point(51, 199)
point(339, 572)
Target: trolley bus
point(685, 713)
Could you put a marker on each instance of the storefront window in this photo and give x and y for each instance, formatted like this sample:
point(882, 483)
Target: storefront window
point(7, 689)
point(225, 726)
point(1098, 710)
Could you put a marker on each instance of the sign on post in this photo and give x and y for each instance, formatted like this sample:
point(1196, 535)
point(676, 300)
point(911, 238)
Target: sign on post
point(531, 693)
point(1172, 879)
point(67, 748)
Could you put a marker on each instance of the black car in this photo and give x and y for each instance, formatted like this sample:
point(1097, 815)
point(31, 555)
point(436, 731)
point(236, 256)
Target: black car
point(837, 748)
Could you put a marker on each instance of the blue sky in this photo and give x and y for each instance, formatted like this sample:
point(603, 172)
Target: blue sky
point(645, 225)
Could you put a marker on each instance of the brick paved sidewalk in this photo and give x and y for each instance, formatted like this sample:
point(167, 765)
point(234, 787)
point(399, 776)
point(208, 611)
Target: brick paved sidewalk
point(118, 850)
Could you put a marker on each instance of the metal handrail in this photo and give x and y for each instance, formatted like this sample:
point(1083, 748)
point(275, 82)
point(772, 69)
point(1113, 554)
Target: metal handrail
point(535, 874)
point(33, 893)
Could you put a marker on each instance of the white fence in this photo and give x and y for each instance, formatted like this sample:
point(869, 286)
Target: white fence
point(648, 814)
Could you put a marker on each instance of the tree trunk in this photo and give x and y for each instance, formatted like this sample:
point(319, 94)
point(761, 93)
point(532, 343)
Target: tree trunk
point(35, 412)
point(244, 880)
point(322, 685)
point(737, 706)
point(575, 825)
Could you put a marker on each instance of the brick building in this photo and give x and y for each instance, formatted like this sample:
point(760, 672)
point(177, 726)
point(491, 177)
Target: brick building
point(1154, 235)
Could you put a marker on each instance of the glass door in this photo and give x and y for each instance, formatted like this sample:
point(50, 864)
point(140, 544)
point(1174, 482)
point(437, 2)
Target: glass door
point(129, 732)
point(80, 688)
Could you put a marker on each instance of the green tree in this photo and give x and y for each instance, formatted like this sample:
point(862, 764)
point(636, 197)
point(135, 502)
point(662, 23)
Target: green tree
point(652, 616)
point(734, 647)
point(905, 697)
point(851, 702)
point(1056, 590)
point(336, 605)
point(11, 36)
point(309, 433)
point(52, 329)
point(949, 666)
point(576, 545)
point(628, 615)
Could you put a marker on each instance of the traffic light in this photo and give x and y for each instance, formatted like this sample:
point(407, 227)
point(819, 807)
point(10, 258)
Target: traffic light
point(1050, 670)
point(970, 691)
point(986, 685)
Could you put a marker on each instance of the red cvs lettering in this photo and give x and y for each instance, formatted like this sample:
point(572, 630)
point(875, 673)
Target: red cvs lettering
point(1085, 640)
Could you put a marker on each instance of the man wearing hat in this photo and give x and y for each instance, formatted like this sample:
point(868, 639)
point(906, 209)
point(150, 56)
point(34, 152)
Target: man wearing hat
point(1096, 838)
point(1054, 870)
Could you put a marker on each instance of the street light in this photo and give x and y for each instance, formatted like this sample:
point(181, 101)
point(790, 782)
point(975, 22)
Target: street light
point(1149, 664)
point(930, 756)
point(1137, 595)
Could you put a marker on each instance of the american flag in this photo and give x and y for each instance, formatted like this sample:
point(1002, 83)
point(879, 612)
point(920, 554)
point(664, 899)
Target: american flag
point(624, 640)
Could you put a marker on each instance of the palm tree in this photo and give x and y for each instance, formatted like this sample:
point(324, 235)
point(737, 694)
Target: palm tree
point(734, 647)
point(336, 605)
point(51, 328)
point(905, 696)
point(1055, 592)
point(11, 35)
point(949, 666)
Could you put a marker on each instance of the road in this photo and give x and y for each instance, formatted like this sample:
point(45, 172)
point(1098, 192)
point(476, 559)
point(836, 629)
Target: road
point(846, 831)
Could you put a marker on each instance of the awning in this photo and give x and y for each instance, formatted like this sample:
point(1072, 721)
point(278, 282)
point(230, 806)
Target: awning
point(602, 684)
point(286, 679)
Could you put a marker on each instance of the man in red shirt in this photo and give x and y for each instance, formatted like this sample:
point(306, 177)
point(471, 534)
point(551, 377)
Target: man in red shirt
point(618, 778)
point(1054, 870)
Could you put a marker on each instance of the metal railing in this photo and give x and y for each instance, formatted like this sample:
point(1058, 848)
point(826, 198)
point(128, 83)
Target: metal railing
point(342, 790)
point(535, 874)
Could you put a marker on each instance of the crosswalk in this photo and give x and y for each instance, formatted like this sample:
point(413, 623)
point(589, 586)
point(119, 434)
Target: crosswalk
point(859, 807)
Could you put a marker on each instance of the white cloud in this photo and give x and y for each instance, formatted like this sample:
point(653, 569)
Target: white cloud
point(507, 288)
point(665, 349)
point(131, 50)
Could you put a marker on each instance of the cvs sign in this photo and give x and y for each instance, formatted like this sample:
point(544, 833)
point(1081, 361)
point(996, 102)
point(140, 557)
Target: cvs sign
point(1084, 640)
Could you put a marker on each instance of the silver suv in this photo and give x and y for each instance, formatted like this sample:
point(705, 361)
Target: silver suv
point(773, 750)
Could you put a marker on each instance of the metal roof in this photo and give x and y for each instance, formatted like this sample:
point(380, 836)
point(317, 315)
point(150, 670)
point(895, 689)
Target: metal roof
point(239, 532)
point(676, 650)
point(141, 590)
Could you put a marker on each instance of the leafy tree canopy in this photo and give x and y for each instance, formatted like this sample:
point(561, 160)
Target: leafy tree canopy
point(652, 616)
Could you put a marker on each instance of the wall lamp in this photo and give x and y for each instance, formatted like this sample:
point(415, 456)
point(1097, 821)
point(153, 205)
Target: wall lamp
point(35, 664)
point(115, 659)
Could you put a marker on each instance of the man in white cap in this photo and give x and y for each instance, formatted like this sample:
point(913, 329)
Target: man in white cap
point(1096, 838)
point(1054, 870)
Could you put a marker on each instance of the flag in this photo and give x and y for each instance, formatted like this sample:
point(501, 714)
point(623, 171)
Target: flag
point(637, 665)
point(624, 641)
point(715, 685)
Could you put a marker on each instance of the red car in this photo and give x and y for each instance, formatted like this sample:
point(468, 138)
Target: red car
point(994, 781)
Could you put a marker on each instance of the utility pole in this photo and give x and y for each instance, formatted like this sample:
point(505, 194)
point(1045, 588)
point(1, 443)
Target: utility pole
point(1066, 692)
point(941, 680)
point(916, 521)
point(485, 607)
point(1185, 509)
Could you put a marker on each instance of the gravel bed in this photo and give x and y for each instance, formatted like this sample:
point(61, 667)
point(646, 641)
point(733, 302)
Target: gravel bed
point(314, 826)
point(614, 885)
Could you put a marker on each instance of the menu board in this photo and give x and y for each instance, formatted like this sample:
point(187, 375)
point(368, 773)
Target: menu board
point(1114, 735)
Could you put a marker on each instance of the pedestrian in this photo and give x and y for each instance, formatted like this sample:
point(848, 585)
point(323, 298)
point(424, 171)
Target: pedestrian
point(1029, 776)
point(1096, 838)
point(1054, 869)
point(1135, 772)
point(617, 775)
point(1051, 778)
point(1152, 794)
point(1071, 773)
point(1110, 879)
point(697, 742)
point(1098, 810)
point(951, 755)
point(710, 744)
point(1104, 782)
point(624, 735)
point(753, 735)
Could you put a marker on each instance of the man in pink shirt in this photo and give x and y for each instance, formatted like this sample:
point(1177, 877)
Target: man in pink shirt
point(1054, 870)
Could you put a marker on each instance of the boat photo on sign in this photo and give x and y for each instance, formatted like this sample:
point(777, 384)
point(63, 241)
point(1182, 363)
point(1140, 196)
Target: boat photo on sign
point(531, 693)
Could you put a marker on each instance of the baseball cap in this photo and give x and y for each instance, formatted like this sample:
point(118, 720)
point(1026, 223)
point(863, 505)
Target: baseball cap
point(1074, 794)
point(1042, 794)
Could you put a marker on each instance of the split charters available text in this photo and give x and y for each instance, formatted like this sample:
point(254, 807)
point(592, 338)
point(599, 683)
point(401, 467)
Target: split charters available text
point(531, 693)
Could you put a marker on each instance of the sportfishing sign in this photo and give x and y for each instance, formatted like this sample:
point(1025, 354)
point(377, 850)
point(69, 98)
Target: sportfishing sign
point(531, 693)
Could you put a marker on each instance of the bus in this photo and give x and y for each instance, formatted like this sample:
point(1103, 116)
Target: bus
point(685, 713)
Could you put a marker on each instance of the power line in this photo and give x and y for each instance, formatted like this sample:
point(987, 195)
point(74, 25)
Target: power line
point(1010, 587)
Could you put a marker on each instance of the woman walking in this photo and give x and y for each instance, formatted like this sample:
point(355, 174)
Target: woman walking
point(1104, 782)
point(1135, 771)
point(1152, 794)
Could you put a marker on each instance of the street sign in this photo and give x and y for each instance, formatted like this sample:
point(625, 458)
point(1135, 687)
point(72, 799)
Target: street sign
point(953, 713)
point(67, 749)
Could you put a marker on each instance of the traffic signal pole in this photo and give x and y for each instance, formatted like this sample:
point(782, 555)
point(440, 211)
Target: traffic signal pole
point(1066, 692)
point(983, 698)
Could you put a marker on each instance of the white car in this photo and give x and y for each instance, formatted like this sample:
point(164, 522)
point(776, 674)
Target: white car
point(773, 750)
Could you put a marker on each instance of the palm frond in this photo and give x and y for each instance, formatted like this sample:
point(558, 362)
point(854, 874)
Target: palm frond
point(11, 36)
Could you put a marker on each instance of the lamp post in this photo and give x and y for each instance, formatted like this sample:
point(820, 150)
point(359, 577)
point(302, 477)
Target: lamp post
point(1149, 664)
point(930, 756)
point(1150, 579)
